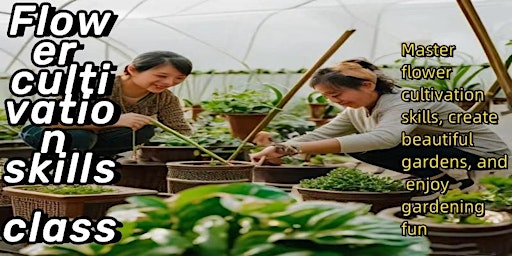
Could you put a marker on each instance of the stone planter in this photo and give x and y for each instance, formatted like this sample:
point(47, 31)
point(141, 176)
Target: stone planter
point(184, 175)
point(462, 239)
point(378, 200)
point(24, 202)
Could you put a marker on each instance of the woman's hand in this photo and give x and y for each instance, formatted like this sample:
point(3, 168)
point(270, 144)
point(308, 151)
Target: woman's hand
point(269, 155)
point(133, 120)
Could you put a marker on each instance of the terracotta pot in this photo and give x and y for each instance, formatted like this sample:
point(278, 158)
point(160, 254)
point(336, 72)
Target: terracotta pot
point(24, 202)
point(462, 239)
point(317, 110)
point(286, 177)
point(196, 110)
point(146, 175)
point(378, 200)
point(241, 125)
point(183, 175)
point(165, 154)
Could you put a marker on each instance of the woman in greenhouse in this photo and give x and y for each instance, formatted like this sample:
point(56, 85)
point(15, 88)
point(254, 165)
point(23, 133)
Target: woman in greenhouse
point(380, 128)
point(142, 93)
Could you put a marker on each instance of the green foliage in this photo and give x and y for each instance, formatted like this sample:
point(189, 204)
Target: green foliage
point(7, 132)
point(463, 76)
point(317, 97)
point(289, 126)
point(69, 189)
point(247, 219)
point(497, 196)
point(351, 179)
point(246, 102)
point(501, 189)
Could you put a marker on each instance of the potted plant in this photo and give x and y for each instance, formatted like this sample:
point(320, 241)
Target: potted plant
point(165, 147)
point(245, 219)
point(187, 174)
point(474, 233)
point(243, 110)
point(293, 170)
point(463, 76)
point(353, 185)
point(68, 200)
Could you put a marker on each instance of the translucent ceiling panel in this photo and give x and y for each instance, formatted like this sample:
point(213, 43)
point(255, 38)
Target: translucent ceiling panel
point(270, 34)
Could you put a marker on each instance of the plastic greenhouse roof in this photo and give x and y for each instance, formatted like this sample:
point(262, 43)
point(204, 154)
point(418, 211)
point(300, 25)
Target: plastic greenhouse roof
point(270, 34)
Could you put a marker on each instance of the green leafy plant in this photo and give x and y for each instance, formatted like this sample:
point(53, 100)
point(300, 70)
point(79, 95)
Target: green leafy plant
point(69, 189)
point(246, 219)
point(497, 196)
point(316, 97)
point(352, 179)
point(463, 77)
point(246, 102)
point(501, 189)
point(188, 141)
point(8, 132)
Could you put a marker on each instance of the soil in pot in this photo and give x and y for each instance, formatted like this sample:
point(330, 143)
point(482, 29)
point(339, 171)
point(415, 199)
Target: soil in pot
point(184, 175)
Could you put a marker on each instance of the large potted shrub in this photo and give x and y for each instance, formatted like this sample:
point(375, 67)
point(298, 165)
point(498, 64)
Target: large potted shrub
point(244, 110)
point(468, 234)
point(353, 185)
point(245, 219)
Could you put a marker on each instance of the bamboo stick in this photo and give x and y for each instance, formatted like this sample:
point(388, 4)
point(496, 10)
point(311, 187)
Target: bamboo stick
point(294, 90)
point(494, 58)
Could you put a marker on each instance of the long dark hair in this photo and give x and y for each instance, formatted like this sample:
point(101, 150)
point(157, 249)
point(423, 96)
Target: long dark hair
point(153, 59)
point(334, 78)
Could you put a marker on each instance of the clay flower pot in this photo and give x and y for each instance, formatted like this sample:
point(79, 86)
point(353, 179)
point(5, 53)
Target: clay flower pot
point(462, 239)
point(241, 125)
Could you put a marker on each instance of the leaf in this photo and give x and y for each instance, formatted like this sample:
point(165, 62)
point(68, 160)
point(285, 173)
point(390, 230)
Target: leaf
point(277, 93)
point(212, 236)
point(147, 201)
